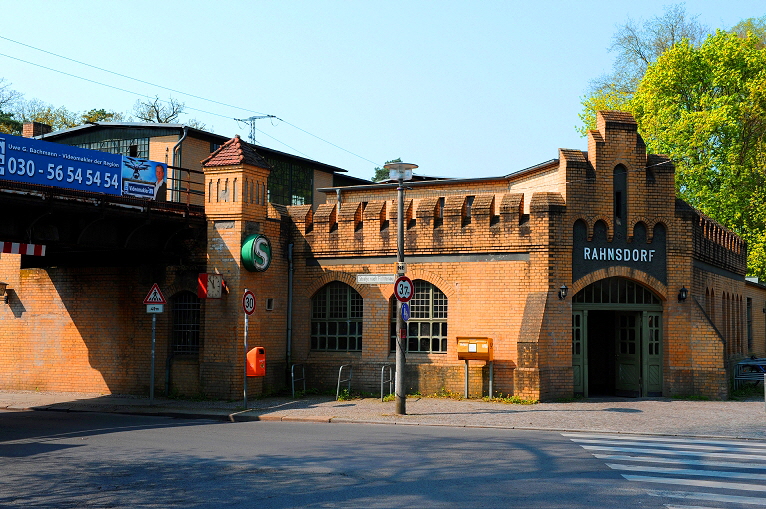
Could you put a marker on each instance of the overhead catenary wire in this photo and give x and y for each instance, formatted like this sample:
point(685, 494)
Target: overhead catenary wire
point(169, 89)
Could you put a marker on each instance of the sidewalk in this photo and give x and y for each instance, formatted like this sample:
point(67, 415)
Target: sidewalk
point(730, 419)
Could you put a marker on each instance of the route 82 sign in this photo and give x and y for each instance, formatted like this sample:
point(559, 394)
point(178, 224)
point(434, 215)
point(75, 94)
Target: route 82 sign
point(403, 289)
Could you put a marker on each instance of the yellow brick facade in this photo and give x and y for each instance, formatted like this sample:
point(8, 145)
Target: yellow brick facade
point(498, 249)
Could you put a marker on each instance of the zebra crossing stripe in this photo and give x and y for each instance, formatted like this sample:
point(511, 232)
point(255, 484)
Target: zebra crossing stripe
point(688, 471)
point(712, 448)
point(679, 461)
point(740, 443)
point(696, 482)
point(669, 452)
point(708, 497)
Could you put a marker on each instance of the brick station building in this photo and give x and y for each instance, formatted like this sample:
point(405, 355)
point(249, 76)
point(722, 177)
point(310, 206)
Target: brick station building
point(585, 272)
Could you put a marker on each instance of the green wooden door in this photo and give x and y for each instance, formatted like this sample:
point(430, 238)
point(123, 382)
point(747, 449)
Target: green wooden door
point(652, 351)
point(628, 354)
point(580, 352)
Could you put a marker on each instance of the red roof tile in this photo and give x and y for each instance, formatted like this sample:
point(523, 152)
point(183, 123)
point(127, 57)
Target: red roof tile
point(236, 151)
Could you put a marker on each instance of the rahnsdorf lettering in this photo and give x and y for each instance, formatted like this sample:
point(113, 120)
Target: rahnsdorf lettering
point(620, 255)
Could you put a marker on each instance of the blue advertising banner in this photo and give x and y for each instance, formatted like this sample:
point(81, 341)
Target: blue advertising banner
point(52, 164)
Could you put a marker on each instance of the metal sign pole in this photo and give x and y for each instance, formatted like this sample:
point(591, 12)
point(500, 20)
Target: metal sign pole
point(244, 374)
point(151, 375)
point(399, 385)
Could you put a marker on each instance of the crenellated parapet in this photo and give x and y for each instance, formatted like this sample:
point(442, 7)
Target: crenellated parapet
point(453, 223)
point(717, 245)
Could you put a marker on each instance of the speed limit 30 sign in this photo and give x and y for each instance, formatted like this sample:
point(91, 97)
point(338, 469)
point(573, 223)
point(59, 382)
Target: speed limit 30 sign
point(248, 302)
point(403, 289)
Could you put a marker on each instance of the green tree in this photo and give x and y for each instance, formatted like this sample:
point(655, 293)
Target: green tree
point(381, 174)
point(35, 110)
point(8, 100)
point(9, 125)
point(754, 26)
point(637, 45)
point(706, 108)
point(100, 115)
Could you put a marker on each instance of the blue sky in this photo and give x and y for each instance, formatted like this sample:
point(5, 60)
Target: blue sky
point(463, 89)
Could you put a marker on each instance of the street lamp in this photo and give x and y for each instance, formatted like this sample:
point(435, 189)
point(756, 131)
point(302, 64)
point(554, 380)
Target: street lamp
point(400, 172)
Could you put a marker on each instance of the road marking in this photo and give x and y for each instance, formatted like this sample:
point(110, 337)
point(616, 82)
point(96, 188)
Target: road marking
point(742, 443)
point(746, 461)
point(710, 497)
point(668, 506)
point(670, 452)
point(719, 448)
point(696, 482)
point(688, 471)
point(680, 461)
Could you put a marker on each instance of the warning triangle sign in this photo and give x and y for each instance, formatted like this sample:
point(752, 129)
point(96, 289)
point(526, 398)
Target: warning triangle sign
point(155, 296)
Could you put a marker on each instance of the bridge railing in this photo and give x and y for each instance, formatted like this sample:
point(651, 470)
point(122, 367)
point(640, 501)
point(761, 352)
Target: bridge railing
point(186, 186)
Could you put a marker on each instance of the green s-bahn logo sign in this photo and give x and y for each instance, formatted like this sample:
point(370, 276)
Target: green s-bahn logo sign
point(256, 253)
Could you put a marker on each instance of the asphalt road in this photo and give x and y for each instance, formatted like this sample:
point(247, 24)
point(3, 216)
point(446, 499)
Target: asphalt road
point(91, 460)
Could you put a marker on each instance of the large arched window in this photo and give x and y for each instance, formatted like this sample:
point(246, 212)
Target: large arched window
point(336, 318)
point(427, 326)
point(185, 307)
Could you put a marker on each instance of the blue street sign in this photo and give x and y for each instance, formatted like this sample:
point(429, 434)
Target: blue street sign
point(405, 311)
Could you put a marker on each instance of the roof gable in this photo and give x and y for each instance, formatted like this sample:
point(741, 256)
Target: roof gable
point(236, 151)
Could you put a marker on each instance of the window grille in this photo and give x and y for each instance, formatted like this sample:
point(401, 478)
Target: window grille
point(615, 290)
point(186, 323)
point(336, 318)
point(427, 326)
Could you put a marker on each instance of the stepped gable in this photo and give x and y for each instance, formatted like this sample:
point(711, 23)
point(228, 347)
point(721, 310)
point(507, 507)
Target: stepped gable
point(618, 120)
point(235, 151)
point(574, 158)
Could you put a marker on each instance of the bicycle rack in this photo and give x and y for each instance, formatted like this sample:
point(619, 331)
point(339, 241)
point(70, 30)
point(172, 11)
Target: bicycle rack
point(340, 374)
point(390, 381)
point(301, 379)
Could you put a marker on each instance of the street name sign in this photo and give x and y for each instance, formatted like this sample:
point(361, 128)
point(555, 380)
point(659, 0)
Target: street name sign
point(375, 279)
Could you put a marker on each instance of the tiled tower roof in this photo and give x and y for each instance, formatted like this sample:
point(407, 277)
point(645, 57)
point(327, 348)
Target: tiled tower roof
point(236, 151)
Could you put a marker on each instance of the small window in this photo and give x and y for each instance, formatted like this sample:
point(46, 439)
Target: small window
point(468, 207)
point(269, 304)
point(439, 213)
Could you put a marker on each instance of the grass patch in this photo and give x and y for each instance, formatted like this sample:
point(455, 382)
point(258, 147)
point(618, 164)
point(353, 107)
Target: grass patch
point(511, 400)
point(747, 391)
point(445, 393)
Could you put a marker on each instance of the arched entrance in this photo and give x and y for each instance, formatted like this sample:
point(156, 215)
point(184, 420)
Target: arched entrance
point(617, 339)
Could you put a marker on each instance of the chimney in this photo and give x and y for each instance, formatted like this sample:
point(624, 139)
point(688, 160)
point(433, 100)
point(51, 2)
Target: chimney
point(32, 129)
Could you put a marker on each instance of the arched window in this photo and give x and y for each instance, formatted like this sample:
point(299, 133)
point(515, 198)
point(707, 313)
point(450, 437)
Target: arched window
point(427, 326)
point(185, 308)
point(336, 318)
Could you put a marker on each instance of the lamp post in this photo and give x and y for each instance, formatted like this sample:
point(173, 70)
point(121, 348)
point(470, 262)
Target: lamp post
point(400, 172)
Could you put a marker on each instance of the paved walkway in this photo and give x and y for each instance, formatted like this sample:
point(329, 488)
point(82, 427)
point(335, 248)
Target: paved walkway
point(731, 419)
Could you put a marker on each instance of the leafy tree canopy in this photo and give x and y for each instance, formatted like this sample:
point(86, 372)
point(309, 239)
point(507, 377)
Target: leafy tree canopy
point(637, 44)
point(9, 125)
point(381, 174)
point(706, 108)
point(752, 26)
point(100, 115)
point(35, 110)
